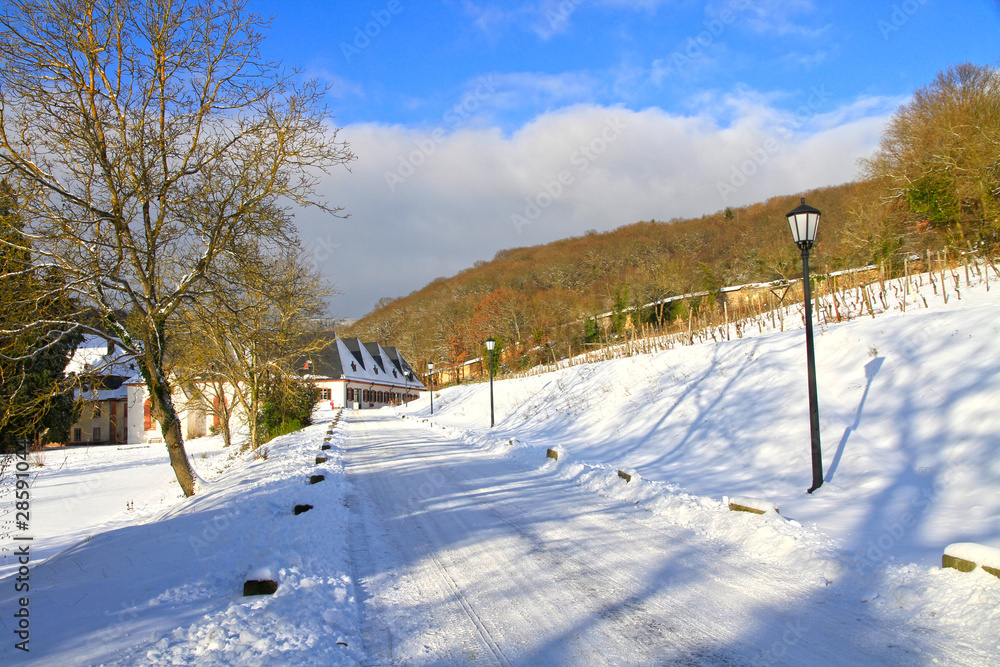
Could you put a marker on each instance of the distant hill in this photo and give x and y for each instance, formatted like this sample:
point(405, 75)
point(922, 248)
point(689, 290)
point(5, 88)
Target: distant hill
point(537, 300)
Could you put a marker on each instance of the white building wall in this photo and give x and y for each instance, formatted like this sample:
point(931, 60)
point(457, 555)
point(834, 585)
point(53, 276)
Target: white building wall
point(192, 413)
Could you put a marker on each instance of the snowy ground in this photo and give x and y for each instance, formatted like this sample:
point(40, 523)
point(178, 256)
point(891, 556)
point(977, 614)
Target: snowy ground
point(163, 584)
point(440, 542)
point(465, 558)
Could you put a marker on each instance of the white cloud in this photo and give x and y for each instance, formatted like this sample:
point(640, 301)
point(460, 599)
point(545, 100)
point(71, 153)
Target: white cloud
point(538, 90)
point(426, 204)
point(779, 17)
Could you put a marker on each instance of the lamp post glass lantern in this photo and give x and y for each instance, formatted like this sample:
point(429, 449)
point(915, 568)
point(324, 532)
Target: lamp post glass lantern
point(490, 345)
point(430, 371)
point(803, 221)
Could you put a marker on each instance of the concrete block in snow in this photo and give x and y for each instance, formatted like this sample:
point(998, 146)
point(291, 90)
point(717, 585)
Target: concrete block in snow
point(966, 556)
point(260, 582)
point(753, 505)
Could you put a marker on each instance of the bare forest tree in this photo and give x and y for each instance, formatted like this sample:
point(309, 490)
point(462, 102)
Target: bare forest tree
point(147, 140)
point(257, 320)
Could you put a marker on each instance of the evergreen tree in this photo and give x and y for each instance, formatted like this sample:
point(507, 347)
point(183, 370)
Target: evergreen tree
point(36, 400)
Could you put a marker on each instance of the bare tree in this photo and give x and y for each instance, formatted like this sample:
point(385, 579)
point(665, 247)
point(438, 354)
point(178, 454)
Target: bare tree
point(148, 140)
point(257, 321)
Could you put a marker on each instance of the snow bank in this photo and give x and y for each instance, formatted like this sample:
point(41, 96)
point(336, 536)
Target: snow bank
point(167, 589)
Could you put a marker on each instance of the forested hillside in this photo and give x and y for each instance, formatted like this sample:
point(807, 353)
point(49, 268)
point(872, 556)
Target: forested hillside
point(934, 183)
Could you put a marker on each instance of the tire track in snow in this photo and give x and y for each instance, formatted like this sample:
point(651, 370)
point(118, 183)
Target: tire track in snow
point(474, 561)
point(542, 613)
point(375, 567)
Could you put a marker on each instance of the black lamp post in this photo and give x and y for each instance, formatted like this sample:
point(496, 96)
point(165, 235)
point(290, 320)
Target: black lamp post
point(430, 370)
point(804, 222)
point(490, 344)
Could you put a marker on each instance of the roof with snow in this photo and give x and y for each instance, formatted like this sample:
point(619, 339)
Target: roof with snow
point(351, 359)
point(104, 368)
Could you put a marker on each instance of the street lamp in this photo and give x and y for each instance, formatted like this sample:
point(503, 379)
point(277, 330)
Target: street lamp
point(490, 344)
point(430, 370)
point(804, 223)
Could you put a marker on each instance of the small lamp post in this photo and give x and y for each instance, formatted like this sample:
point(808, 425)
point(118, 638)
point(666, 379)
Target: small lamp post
point(804, 223)
point(490, 345)
point(430, 370)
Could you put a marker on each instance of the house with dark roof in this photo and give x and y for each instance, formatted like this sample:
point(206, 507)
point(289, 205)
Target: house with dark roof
point(353, 374)
point(115, 404)
point(117, 408)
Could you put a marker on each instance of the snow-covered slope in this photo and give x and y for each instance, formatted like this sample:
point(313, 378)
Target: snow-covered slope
point(910, 429)
point(907, 403)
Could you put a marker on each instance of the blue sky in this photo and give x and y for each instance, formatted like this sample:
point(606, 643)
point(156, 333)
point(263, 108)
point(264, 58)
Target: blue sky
point(485, 125)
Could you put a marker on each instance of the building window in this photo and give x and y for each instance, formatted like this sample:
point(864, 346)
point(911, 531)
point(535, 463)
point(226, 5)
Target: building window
point(350, 393)
point(97, 434)
point(77, 434)
point(324, 394)
point(97, 410)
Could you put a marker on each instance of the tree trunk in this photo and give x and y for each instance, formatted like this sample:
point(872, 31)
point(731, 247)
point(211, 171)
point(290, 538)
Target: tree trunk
point(170, 426)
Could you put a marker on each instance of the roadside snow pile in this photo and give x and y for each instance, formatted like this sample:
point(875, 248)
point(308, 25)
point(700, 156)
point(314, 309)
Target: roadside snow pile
point(168, 590)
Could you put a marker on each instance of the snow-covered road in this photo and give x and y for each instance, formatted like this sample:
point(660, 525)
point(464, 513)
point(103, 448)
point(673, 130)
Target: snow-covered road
point(463, 557)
